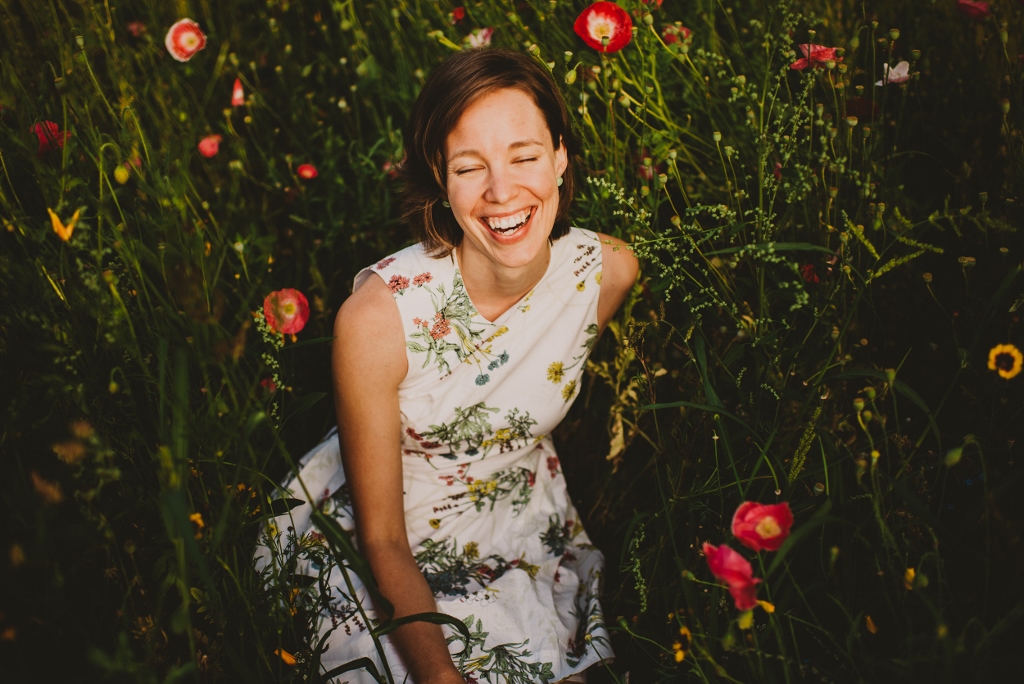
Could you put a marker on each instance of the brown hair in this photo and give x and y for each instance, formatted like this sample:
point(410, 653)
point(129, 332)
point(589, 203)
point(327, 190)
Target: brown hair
point(450, 89)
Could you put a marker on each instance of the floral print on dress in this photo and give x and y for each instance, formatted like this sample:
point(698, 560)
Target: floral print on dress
point(488, 518)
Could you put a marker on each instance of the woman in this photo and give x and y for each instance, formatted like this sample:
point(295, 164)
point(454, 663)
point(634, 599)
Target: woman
point(453, 360)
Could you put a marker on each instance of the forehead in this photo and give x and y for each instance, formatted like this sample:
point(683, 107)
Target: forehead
point(498, 118)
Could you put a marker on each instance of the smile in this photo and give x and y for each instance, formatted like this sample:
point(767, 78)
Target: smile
point(507, 225)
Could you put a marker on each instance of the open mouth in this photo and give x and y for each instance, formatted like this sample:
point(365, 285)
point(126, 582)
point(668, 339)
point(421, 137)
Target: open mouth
point(508, 225)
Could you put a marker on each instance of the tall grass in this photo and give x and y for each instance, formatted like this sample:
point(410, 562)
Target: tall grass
point(827, 264)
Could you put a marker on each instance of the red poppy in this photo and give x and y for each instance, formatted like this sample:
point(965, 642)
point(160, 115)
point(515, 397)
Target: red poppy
point(809, 274)
point(269, 385)
point(675, 34)
point(286, 311)
point(458, 14)
point(814, 55)
point(733, 569)
point(604, 21)
point(237, 94)
point(762, 527)
point(777, 171)
point(184, 39)
point(972, 9)
point(209, 146)
point(49, 136)
point(307, 171)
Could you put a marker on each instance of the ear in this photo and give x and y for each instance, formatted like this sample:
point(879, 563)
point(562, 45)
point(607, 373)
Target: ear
point(561, 158)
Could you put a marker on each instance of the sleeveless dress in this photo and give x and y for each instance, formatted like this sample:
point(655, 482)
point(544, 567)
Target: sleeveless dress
point(489, 520)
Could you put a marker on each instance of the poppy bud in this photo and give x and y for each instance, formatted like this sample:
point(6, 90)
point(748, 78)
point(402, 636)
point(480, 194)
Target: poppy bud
point(570, 76)
point(926, 277)
point(1005, 103)
point(851, 121)
point(858, 404)
point(716, 136)
point(568, 56)
point(121, 175)
point(894, 34)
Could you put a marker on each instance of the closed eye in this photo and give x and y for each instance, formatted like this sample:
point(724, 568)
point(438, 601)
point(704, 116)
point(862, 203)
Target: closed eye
point(462, 172)
point(528, 159)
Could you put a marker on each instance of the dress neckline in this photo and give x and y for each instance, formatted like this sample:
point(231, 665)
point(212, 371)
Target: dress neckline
point(520, 302)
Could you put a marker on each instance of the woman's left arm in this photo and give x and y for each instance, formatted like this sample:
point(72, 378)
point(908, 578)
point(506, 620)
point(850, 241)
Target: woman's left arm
point(619, 269)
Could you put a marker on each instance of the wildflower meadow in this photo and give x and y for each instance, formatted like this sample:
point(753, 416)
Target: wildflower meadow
point(796, 445)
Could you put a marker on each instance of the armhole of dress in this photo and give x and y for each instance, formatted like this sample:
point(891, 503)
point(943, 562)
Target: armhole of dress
point(361, 277)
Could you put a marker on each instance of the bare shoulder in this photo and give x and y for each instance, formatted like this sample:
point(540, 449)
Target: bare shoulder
point(368, 331)
point(618, 273)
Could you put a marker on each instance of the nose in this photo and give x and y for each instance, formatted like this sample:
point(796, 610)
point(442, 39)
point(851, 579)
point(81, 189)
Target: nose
point(501, 187)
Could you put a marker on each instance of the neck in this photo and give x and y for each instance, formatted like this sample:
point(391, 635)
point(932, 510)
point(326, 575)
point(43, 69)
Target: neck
point(494, 289)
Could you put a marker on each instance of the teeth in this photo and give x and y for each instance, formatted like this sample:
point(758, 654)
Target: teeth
point(508, 223)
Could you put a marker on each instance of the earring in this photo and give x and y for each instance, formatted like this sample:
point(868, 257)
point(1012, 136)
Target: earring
point(445, 204)
point(559, 181)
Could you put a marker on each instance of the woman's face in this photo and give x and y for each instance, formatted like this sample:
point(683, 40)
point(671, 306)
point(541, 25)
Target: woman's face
point(503, 179)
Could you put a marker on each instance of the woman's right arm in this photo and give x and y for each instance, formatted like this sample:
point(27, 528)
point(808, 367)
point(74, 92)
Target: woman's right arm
point(369, 362)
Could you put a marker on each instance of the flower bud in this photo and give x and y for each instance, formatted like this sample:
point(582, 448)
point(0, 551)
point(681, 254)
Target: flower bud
point(716, 136)
point(675, 220)
point(894, 34)
point(1005, 103)
point(855, 42)
point(953, 457)
point(121, 175)
point(672, 154)
point(869, 392)
point(867, 416)
point(568, 56)
point(830, 64)
point(858, 404)
point(570, 76)
point(648, 19)
point(926, 277)
point(851, 121)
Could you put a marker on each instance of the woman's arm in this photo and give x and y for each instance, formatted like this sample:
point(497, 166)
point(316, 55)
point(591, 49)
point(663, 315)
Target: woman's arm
point(618, 273)
point(369, 362)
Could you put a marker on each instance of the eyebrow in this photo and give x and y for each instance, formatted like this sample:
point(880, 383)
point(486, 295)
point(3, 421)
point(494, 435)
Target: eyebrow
point(513, 146)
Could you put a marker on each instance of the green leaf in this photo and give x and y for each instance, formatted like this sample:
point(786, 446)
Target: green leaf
point(432, 618)
point(358, 663)
point(282, 506)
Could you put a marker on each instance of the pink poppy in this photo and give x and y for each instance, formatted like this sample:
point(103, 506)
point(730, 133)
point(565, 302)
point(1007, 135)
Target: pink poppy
point(972, 9)
point(733, 569)
point(286, 311)
point(814, 55)
point(237, 94)
point(184, 40)
point(49, 136)
point(480, 37)
point(675, 34)
point(757, 526)
point(307, 171)
point(604, 20)
point(209, 146)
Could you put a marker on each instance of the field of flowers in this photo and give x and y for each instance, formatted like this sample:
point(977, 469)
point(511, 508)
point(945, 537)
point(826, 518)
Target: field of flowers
point(796, 445)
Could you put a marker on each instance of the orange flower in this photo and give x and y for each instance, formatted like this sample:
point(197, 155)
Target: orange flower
point(62, 231)
point(1006, 360)
point(287, 657)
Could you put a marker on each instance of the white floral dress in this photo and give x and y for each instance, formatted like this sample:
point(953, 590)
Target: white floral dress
point(489, 520)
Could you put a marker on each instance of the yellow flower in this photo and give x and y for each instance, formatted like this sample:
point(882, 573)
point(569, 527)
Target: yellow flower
point(471, 550)
point(569, 390)
point(62, 231)
point(503, 435)
point(680, 654)
point(597, 277)
point(555, 372)
point(69, 452)
point(500, 331)
point(767, 607)
point(582, 285)
point(435, 523)
point(908, 578)
point(1006, 360)
point(870, 624)
point(197, 518)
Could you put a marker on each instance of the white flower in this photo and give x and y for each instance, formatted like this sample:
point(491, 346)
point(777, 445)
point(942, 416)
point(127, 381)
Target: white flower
point(480, 37)
point(897, 74)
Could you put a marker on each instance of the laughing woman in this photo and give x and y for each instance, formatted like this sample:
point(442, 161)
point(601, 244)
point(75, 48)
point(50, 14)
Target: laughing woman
point(454, 359)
